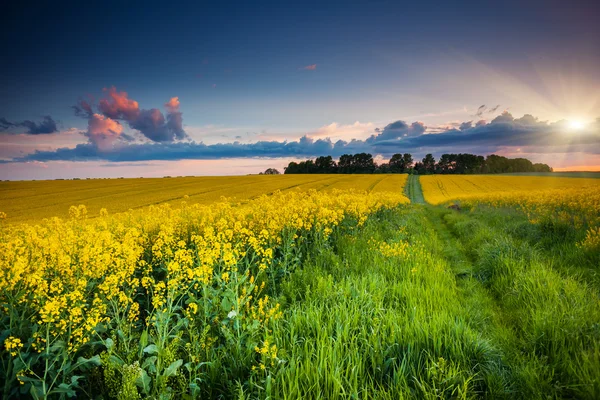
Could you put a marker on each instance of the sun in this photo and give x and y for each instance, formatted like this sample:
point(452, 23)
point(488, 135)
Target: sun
point(576, 124)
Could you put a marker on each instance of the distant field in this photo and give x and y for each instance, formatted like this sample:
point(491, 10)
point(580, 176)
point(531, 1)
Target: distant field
point(33, 200)
point(566, 174)
point(438, 189)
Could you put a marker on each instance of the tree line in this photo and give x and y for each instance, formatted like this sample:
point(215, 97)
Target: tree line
point(363, 163)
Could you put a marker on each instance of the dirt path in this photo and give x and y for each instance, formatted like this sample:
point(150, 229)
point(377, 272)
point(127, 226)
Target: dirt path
point(413, 190)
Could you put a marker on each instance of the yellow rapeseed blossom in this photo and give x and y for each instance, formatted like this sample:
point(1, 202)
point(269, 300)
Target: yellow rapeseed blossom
point(13, 345)
point(575, 201)
point(79, 276)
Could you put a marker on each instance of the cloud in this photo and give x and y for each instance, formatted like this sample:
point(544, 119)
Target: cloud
point(103, 131)
point(83, 109)
point(46, 126)
point(398, 130)
point(152, 123)
point(173, 104)
point(466, 125)
point(4, 124)
point(311, 67)
point(503, 134)
point(480, 111)
point(119, 106)
point(506, 131)
point(484, 110)
point(493, 109)
point(341, 131)
point(175, 119)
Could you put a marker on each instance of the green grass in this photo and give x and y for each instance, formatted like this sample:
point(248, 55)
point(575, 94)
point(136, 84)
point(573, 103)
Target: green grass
point(472, 311)
point(413, 190)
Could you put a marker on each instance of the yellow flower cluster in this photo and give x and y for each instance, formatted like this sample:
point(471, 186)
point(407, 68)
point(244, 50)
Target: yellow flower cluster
point(268, 355)
point(592, 239)
point(395, 249)
point(13, 345)
point(73, 276)
point(31, 201)
point(438, 189)
point(577, 206)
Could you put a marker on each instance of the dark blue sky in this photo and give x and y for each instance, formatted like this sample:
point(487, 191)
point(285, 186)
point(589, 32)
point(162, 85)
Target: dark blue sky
point(238, 66)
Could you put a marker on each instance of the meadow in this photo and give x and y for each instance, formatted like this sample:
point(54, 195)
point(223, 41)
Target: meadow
point(320, 287)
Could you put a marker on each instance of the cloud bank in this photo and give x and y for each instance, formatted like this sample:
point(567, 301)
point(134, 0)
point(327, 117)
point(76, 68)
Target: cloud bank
point(504, 131)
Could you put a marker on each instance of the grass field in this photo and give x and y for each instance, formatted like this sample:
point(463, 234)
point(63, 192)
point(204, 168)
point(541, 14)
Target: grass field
point(31, 201)
point(310, 294)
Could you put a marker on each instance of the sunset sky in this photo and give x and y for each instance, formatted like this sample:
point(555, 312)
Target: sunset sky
point(103, 89)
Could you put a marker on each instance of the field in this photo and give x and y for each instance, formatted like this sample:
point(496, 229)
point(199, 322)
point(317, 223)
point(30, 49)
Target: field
point(31, 201)
point(303, 294)
point(439, 189)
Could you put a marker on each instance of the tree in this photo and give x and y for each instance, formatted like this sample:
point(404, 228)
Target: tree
point(396, 163)
point(384, 168)
point(364, 163)
point(462, 163)
point(325, 165)
point(346, 163)
point(292, 168)
point(538, 167)
point(271, 171)
point(428, 164)
point(408, 161)
point(401, 163)
point(419, 168)
point(444, 165)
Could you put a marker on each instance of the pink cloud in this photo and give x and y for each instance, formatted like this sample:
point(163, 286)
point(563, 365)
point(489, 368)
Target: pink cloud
point(311, 67)
point(103, 131)
point(118, 105)
point(335, 131)
point(173, 104)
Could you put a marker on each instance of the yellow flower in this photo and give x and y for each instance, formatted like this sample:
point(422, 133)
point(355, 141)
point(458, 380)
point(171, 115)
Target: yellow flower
point(225, 276)
point(13, 345)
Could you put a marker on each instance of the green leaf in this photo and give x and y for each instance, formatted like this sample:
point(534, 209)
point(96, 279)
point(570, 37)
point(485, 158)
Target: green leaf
point(172, 369)
point(100, 328)
point(75, 379)
point(144, 339)
point(151, 349)
point(109, 343)
point(114, 360)
point(57, 346)
point(65, 389)
point(143, 382)
point(36, 391)
point(149, 364)
point(195, 390)
point(225, 304)
point(88, 363)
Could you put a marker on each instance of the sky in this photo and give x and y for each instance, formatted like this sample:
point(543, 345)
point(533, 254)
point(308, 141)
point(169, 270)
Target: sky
point(112, 89)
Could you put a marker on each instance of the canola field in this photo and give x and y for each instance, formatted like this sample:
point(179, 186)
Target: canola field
point(320, 287)
point(30, 201)
point(439, 189)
